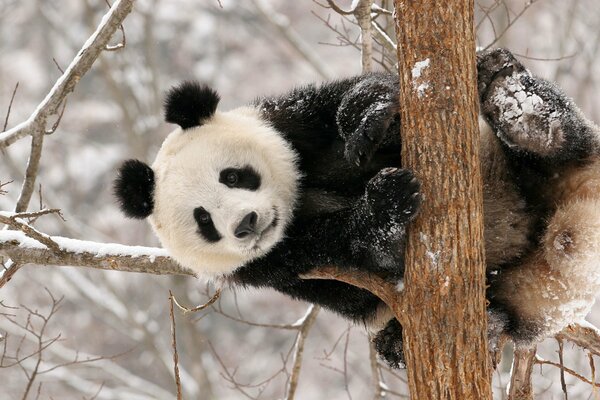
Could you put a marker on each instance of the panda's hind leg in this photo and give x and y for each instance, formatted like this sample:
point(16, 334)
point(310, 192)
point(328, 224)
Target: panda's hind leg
point(530, 114)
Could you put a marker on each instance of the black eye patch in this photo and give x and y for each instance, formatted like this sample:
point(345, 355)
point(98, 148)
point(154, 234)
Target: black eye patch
point(240, 178)
point(206, 227)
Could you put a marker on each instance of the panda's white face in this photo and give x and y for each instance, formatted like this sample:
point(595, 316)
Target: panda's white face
point(224, 192)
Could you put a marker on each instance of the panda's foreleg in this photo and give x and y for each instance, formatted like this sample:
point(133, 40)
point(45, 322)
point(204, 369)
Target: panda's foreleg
point(529, 114)
point(368, 116)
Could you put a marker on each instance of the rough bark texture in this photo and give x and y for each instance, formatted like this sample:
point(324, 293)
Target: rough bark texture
point(444, 300)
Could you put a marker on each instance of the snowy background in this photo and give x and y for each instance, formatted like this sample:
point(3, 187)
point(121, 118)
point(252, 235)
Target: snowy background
point(115, 113)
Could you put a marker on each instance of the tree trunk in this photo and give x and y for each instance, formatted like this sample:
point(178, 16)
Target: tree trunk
point(443, 312)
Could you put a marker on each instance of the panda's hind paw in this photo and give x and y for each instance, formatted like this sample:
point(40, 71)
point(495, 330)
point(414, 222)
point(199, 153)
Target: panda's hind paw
point(494, 64)
point(388, 343)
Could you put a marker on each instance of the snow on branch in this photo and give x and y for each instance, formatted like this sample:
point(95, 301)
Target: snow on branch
point(22, 249)
point(51, 105)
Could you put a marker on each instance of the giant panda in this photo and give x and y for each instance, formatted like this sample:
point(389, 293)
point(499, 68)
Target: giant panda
point(263, 193)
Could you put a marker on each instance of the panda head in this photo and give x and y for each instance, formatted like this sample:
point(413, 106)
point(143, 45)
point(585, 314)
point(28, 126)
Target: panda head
point(222, 188)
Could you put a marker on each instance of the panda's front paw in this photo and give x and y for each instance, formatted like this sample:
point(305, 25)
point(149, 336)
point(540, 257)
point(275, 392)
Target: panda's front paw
point(377, 123)
point(388, 343)
point(393, 196)
point(368, 117)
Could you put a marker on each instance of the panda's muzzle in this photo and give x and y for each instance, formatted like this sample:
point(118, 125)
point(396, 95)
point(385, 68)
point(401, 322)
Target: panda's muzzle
point(247, 226)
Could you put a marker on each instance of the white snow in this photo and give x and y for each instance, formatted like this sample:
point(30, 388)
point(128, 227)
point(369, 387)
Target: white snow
point(419, 85)
point(419, 67)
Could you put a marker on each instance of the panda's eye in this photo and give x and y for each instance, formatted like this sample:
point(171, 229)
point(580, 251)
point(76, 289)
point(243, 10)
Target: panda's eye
point(240, 178)
point(202, 216)
point(206, 227)
point(204, 219)
point(231, 178)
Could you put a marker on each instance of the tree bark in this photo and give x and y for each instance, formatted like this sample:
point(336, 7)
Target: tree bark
point(443, 303)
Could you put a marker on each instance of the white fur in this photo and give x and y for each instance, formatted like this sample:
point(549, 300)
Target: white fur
point(187, 169)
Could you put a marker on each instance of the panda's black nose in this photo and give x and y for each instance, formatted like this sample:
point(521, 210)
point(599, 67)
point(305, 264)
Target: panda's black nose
point(247, 226)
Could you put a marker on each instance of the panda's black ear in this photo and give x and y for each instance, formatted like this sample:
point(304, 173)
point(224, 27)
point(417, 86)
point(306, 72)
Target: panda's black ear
point(134, 189)
point(190, 103)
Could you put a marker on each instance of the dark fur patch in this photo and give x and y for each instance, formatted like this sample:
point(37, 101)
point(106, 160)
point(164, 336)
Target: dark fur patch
point(134, 189)
point(240, 178)
point(206, 226)
point(190, 103)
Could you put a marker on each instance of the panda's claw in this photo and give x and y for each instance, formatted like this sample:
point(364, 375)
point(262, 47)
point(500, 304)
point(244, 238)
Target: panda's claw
point(393, 196)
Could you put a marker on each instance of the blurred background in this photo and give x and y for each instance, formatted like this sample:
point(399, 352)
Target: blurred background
point(113, 328)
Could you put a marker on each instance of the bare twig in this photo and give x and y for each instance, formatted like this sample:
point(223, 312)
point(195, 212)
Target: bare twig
point(14, 222)
point(2, 191)
point(563, 383)
point(201, 307)
point(306, 324)
point(12, 98)
point(584, 335)
point(174, 345)
point(339, 10)
point(378, 390)
point(520, 381)
point(563, 369)
point(362, 14)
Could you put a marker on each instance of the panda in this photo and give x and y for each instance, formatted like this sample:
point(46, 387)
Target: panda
point(264, 193)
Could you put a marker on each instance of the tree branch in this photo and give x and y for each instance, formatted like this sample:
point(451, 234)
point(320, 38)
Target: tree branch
point(381, 288)
point(520, 380)
point(583, 334)
point(78, 253)
point(306, 324)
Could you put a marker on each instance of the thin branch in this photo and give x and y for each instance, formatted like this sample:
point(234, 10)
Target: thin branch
point(174, 345)
point(14, 221)
point(123, 41)
point(362, 14)
point(584, 335)
point(378, 389)
point(520, 381)
point(12, 98)
point(306, 324)
point(563, 369)
point(201, 307)
point(339, 10)
point(563, 383)
point(2, 191)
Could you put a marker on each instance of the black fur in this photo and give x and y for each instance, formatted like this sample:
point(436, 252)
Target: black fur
point(388, 343)
point(240, 178)
point(190, 103)
point(206, 226)
point(134, 189)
